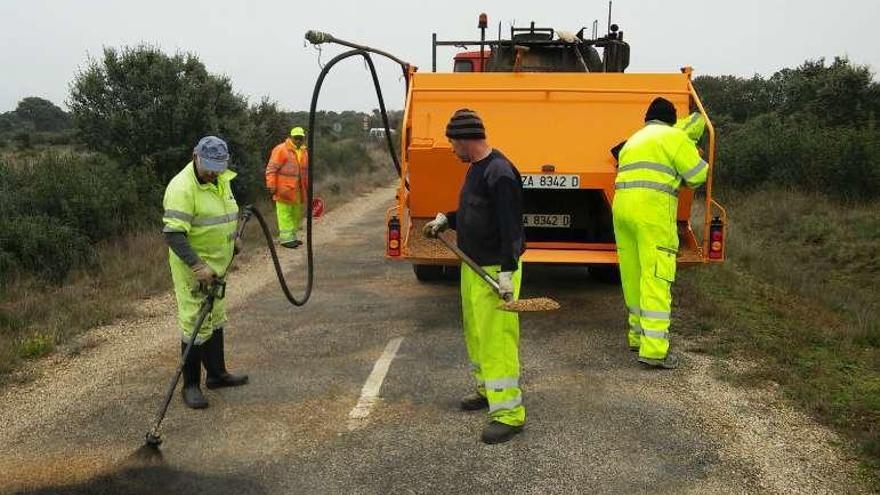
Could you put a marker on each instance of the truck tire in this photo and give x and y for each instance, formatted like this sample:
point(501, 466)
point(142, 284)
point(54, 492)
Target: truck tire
point(428, 273)
point(606, 274)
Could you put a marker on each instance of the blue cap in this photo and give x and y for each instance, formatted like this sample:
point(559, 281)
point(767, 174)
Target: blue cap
point(213, 153)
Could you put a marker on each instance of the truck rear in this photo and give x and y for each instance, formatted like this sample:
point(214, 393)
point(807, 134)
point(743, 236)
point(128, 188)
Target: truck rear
point(557, 121)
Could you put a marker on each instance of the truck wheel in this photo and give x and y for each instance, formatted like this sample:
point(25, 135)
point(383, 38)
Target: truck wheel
point(607, 274)
point(428, 273)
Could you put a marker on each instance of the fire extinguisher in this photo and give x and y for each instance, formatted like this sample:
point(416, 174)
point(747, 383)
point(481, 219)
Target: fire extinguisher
point(394, 237)
point(716, 239)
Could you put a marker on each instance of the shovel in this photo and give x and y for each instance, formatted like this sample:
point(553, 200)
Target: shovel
point(518, 306)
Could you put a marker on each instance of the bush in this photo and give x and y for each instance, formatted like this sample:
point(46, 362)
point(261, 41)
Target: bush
point(812, 128)
point(24, 140)
point(42, 115)
point(57, 205)
point(344, 157)
point(142, 107)
point(39, 244)
point(801, 152)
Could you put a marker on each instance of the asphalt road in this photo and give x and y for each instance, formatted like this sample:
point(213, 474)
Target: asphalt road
point(596, 421)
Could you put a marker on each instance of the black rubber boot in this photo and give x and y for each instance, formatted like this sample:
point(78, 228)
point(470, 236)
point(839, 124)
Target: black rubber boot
point(474, 402)
point(496, 432)
point(192, 376)
point(215, 364)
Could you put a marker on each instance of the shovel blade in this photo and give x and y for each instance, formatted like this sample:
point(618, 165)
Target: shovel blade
point(533, 305)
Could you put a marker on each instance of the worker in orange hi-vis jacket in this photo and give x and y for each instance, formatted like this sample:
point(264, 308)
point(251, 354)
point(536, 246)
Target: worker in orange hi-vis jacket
point(287, 178)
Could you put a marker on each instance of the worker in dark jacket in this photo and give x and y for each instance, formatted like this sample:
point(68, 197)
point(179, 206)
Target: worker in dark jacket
point(489, 226)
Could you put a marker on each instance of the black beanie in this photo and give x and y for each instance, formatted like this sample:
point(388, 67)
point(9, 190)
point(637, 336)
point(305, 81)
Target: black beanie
point(661, 109)
point(465, 124)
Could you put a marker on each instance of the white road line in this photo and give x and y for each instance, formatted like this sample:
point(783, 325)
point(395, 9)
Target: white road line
point(370, 392)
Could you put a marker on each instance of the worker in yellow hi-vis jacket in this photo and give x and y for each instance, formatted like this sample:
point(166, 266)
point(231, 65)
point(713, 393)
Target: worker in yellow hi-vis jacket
point(199, 226)
point(653, 164)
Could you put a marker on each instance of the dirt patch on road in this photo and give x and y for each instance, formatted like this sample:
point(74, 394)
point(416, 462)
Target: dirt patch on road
point(51, 470)
point(65, 381)
point(789, 451)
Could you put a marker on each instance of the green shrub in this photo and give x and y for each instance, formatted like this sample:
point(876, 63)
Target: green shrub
point(24, 140)
point(812, 128)
point(801, 152)
point(36, 345)
point(142, 107)
point(57, 205)
point(87, 192)
point(41, 245)
point(347, 156)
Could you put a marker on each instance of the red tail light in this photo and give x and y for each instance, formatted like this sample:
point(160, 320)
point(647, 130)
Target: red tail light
point(393, 237)
point(716, 239)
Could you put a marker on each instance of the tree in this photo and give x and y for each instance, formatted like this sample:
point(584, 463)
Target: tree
point(271, 125)
point(43, 114)
point(10, 122)
point(838, 94)
point(145, 108)
point(738, 98)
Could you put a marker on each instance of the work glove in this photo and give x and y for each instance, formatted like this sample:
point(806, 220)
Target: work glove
point(204, 274)
point(237, 246)
point(435, 226)
point(505, 285)
point(567, 36)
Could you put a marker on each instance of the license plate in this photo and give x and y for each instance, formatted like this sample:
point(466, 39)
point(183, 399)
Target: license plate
point(551, 181)
point(547, 221)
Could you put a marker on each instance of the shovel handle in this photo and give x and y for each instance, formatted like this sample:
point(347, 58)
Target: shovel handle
point(472, 264)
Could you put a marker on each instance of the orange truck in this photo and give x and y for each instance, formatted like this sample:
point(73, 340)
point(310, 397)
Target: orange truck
point(555, 104)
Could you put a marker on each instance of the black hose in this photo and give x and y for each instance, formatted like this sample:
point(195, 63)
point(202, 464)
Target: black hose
point(250, 210)
point(318, 37)
point(267, 233)
point(317, 91)
point(394, 157)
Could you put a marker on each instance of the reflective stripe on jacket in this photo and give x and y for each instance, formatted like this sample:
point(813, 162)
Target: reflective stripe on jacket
point(206, 213)
point(658, 158)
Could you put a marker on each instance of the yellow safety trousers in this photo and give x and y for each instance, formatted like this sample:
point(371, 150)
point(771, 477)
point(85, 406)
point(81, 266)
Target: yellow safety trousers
point(492, 340)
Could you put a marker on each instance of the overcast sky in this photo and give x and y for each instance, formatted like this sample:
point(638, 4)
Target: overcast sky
point(259, 43)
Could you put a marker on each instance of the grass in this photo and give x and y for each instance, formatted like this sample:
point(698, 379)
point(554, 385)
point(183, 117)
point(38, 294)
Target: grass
point(799, 296)
point(36, 318)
